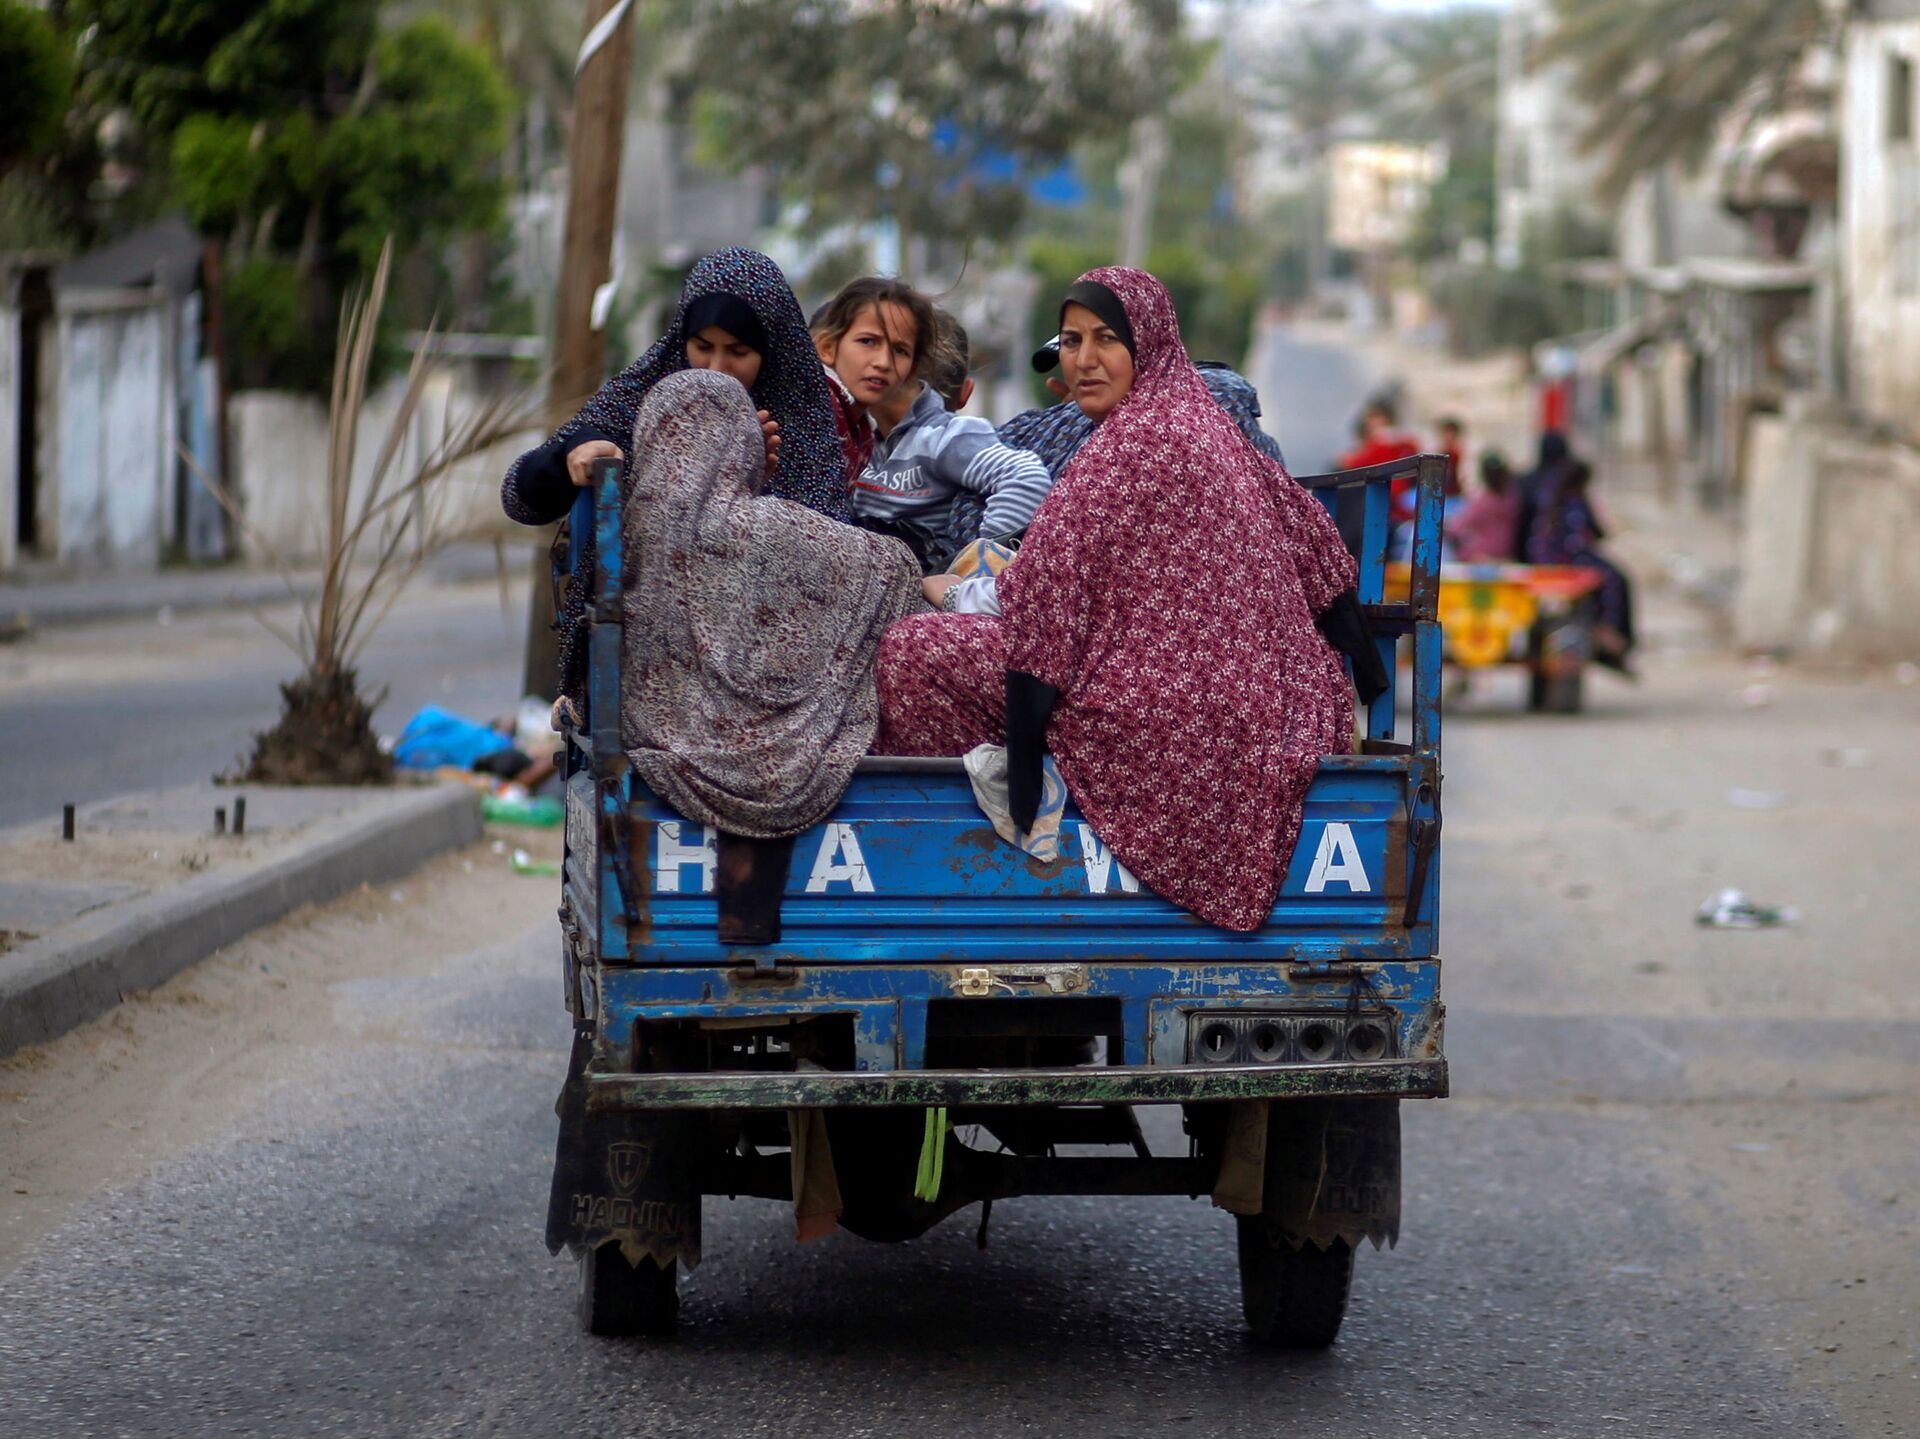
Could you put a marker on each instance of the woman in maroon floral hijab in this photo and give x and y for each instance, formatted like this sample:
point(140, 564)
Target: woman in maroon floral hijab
point(1158, 628)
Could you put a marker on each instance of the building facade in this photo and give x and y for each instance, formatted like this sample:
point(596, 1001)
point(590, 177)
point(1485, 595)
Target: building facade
point(1880, 208)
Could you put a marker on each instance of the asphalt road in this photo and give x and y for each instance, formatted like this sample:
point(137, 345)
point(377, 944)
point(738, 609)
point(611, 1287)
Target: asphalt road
point(299, 1191)
point(93, 710)
point(1310, 394)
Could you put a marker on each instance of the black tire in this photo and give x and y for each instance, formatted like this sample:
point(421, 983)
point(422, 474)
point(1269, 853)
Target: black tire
point(619, 1299)
point(1562, 694)
point(1293, 1298)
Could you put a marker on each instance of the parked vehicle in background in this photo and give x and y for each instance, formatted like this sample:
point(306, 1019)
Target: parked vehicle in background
point(1536, 616)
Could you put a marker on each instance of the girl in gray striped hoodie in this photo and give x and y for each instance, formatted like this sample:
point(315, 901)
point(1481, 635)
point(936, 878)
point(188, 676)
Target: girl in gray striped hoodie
point(940, 480)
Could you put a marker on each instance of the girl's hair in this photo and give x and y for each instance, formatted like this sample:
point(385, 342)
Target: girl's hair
point(836, 317)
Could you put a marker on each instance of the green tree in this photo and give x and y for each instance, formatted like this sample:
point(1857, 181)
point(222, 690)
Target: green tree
point(924, 111)
point(1661, 77)
point(33, 101)
point(304, 135)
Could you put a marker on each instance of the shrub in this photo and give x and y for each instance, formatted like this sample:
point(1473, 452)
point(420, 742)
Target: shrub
point(39, 82)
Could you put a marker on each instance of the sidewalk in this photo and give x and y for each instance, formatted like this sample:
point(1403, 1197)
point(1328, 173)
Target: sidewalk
point(150, 883)
point(47, 598)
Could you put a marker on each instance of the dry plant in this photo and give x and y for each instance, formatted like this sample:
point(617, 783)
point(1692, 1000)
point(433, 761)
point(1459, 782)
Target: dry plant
point(376, 541)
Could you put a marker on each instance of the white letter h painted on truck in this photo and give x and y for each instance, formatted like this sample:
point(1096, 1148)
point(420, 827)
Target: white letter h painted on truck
point(670, 852)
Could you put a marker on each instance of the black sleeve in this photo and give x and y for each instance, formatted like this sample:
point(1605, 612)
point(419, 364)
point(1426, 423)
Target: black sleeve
point(1346, 628)
point(539, 479)
point(1030, 705)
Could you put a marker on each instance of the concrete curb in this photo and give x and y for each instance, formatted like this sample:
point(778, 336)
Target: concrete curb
point(73, 604)
point(27, 606)
point(50, 985)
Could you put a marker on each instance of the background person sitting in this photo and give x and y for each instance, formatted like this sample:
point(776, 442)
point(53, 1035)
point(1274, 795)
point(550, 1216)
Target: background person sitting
point(1378, 443)
point(1452, 444)
point(1564, 528)
point(1482, 531)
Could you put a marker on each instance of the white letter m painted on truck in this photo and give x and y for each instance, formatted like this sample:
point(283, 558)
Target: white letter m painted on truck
point(1101, 864)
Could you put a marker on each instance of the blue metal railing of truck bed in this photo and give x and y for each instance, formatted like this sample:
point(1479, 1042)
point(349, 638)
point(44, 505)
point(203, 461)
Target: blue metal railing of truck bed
point(908, 870)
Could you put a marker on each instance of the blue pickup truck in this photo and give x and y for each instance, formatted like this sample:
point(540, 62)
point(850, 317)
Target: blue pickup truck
point(932, 982)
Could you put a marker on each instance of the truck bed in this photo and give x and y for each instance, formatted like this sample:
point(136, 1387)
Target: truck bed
point(912, 935)
point(908, 870)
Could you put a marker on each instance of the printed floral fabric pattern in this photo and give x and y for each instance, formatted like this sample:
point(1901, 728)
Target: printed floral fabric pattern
point(1196, 695)
point(792, 388)
point(746, 677)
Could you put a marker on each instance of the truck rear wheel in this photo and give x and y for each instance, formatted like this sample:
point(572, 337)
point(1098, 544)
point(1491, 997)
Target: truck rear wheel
point(619, 1299)
point(1293, 1298)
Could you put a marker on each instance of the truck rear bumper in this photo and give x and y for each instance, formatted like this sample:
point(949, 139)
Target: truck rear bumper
point(1149, 1084)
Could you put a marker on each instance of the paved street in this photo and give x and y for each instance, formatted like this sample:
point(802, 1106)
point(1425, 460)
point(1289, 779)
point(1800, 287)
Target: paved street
point(299, 1190)
point(1310, 394)
point(93, 710)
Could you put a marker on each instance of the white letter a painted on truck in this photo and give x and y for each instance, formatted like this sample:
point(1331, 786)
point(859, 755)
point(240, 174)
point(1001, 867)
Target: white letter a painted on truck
point(1338, 861)
point(839, 858)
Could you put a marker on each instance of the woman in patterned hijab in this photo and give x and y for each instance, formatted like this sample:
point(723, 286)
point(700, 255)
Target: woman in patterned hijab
point(736, 315)
point(1158, 630)
point(746, 677)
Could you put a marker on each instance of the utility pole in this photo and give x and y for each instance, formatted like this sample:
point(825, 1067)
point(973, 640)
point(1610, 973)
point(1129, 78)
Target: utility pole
point(1139, 184)
point(586, 264)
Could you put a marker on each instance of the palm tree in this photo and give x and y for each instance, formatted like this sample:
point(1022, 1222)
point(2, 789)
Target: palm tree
point(1661, 78)
point(379, 526)
point(1443, 77)
point(1322, 76)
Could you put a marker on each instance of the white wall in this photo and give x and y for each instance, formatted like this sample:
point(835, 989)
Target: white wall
point(1830, 542)
point(111, 424)
point(1880, 219)
point(279, 468)
point(1669, 217)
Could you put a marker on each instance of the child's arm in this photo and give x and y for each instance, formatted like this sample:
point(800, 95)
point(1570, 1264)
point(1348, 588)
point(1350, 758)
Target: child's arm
point(1014, 482)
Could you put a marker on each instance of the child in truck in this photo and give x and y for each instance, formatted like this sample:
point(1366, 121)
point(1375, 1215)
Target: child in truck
point(940, 480)
point(872, 338)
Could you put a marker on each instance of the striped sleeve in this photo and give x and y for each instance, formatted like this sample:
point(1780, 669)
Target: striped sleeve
point(1013, 481)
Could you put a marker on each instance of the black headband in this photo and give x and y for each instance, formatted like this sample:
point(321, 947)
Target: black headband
point(730, 313)
point(1104, 303)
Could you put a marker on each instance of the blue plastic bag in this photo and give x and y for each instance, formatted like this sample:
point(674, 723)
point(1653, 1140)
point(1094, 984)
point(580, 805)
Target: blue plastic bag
point(436, 737)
